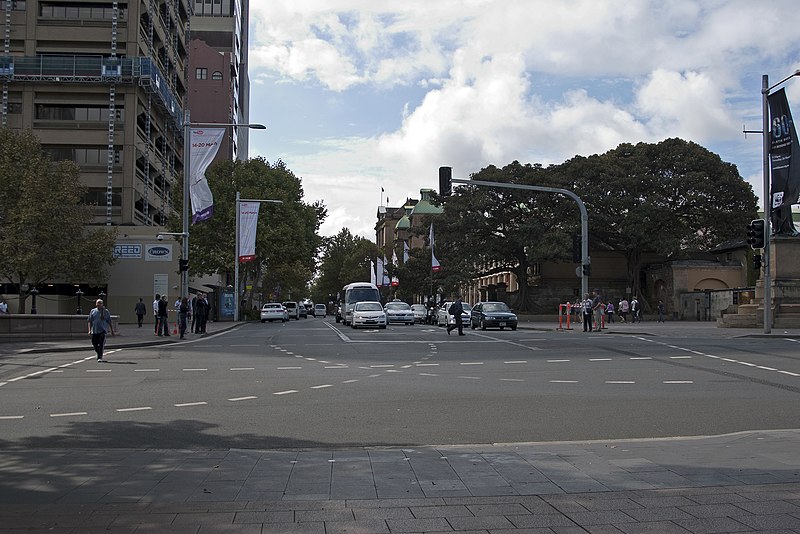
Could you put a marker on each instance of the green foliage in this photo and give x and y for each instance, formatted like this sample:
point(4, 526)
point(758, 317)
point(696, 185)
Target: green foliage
point(345, 258)
point(44, 232)
point(286, 241)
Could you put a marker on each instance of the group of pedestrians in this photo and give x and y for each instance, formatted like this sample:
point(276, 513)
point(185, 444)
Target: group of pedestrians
point(197, 310)
point(597, 311)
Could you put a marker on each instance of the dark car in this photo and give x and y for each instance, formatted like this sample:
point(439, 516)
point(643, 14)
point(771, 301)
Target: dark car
point(492, 315)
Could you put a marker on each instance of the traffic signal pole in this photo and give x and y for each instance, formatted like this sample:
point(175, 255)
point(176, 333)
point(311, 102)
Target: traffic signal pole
point(585, 260)
point(767, 257)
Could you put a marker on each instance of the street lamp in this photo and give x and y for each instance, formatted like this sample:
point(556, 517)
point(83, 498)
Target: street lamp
point(236, 290)
point(187, 159)
point(79, 294)
point(765, 90)
point(34, 292)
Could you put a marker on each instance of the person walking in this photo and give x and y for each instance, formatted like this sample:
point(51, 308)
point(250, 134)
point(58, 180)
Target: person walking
point(623, 309)
point(635, 310)
point(99, 323)
point(3, 306)
point(163, 317)
point(141, 311)
point(587, 313)
point(155, 314)
point(193, 310)
point(610, 312)
point(597, 308)
point(456, 309)
point(183, 311)
point(661, 311)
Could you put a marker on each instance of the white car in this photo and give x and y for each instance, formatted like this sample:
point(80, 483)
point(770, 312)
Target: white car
point(293, 308)
point(443, 317)
point(273, 311)
point(320, 310)
point(420, 312)
point(398, 312)
point(368, 313)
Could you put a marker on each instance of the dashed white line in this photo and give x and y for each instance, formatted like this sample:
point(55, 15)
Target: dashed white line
point(516, 361)
point(183, 404)
point(237, 399)
point(70, 414)
point(563, 381)
point(322, 386)
point(640, 358)
point(428, 374)
point(288, 368)
point(381, 366)
point(600, 359)
point(620, 382)
point(9, 417)
point(512, 380)
point(678, 382)
point(286, 392)
point(349, 381)
point(98, 370)
point(198, 369)
point(789, 373)
point(471, 363)
point(470, 377)
point(427, 364)
point(146, 370)
point(243, 368)
point(557, 361)
point(680, 357)
point(139, 409)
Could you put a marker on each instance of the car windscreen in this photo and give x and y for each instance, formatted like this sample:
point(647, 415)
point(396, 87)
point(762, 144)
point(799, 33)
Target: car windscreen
point(495, 307)
point(368, 306)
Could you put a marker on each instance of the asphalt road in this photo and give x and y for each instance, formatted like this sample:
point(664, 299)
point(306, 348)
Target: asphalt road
point(315, 383)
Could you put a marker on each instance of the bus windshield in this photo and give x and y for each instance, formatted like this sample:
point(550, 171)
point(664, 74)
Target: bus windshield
point(360, 294)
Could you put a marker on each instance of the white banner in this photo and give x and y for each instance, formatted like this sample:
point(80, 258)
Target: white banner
point(372, 272)
point(435, 267)
point(248, 222)
point(385, 272)
point(204, 144)
point(379, 272)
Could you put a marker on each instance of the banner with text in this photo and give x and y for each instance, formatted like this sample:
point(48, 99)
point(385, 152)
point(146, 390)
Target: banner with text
point(203, 146)
point(248, 222)
point(784, 152)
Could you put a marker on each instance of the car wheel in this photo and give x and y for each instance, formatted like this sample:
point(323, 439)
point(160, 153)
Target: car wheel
point(263, 321)
point(382, 327)
point(513, 328)
point(353, 326)
point(502, 328)
point(483, 325)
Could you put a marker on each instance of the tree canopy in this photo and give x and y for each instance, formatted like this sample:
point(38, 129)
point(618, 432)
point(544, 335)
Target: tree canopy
point(344, 259)
point(44, 219)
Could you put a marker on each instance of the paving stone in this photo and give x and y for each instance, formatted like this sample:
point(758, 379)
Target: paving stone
point(264, 517)
point(454, 510)
point(702, 511)
point(773, 522)
point(658, 514)
point(306, 516)
point(293, 528)
point(375, 526)
point(419, 525)
point(540, 521)
point(713, 525)
point(498, 509)
point(655, 527)
point(363, 514)
point(487, 522)
point(764, 508)
point(600, 518)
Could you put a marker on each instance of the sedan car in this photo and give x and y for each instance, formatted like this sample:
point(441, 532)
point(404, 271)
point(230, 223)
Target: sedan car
point(368, 313)
point(273, 311)
point(320, 310)
point(398, 312)
point(420, 312)
point(443, 317)
point(492, 315)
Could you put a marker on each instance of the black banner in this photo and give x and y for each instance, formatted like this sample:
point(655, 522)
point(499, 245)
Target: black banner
point(783, 145)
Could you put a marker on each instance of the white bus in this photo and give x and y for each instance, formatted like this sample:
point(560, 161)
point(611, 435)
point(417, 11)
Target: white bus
point(357, 292)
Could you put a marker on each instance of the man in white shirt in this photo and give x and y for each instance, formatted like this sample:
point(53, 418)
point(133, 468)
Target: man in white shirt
point(3, 306)
point(155, 311)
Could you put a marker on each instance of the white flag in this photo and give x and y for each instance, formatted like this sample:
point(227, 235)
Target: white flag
point(248, 222)
point(379, 272)
point(385, 273)
point(203, 146)
point(372, 272)
point(395, 279)
point(405, 252)
point(435, 267)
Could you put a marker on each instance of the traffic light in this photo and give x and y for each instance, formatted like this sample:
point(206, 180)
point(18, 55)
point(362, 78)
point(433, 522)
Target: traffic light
point(445, 181)
point(757, 262)
point(587, 269)
point(183, 265)
point(755, 233)
point(576, 248)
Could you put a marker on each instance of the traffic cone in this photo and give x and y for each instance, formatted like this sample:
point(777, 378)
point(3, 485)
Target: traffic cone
point(175, 329)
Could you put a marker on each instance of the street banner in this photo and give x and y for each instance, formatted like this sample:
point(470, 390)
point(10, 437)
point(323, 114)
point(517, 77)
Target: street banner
point(379, 272)
point(248, 222)
point(784, 152)
point(204, 144)
point(405, 252)
point(395, 279)
point(385, 272)
point(372, 273)
point(435, 267)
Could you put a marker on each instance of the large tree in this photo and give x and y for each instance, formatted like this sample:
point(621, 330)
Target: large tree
point(44, 218)
point(344, 259)
point(287, 237)
point(671, 198)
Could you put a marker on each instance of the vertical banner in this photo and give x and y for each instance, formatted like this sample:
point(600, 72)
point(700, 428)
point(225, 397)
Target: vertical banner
point(395, 279)
point(372, 273)
point(385, 281)
point(248, 222)
point(783, 145)
point(379, 272)
point(204, 144)
point(435, 267)
point(405, 252)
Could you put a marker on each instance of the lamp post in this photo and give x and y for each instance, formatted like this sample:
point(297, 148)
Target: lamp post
point(187, 174)
point(34, 292)
point(767, 194)
point(78, 295)
point(102, 296)
point(236, 290)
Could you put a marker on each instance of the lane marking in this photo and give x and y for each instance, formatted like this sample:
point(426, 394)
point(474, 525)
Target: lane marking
point(249, 397)
point(557, 361)
point(680, 357)
point(286, 392)
point(428, 374)
point(381, 366)
point(600, 359)
point(470, 377)
point(243, 368)
point(9, 417)
point(512, 380)
point(145, 370)
point(427, 364)
point(70, 414)
point(323, 386)
point(198, 369)
point(789, 373)
point(349, 381)
point(678, 382)
point(564, 381)
point(139, 409)
point(471, 363)
point(182, 404)
point(516, 361)
point(641, 358)
point(288, 368)
point(620, 382)
point(98, 370)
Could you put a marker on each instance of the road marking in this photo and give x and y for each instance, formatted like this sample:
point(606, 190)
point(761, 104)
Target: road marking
point(564, 381)
point(141, 408)
point(8, 417)
point(427, 364)
point(789, 373)
point(557, 361)
point(323, 386)
point(680, 357)
point(70, 414)
point(196, 369)
point(766, 368)
point(243, 368)
point(512, 380)
point(245, 345)
point(286, 392)
point(381, 366)
point(146, 370)
point(471, 363)
point(98, 370)
point(249, 397)
point(516, 361)
point(182, 404)
point(288, 368)
point(470, 377)
point(641, 358)
point(427, 374)
point(678, 382)
point(620, 382)
point(349, 381)
point(600, 359)
point(340, 366)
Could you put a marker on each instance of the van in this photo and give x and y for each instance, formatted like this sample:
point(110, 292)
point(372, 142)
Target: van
point(292, 309)
point(357, 292)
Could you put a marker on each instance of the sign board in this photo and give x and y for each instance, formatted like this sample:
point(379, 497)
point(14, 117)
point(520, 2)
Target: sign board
point(160, 284)
point(158, 252)
point(127, 251)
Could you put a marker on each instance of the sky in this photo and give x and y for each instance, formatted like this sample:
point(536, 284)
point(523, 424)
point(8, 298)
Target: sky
point(364, 95)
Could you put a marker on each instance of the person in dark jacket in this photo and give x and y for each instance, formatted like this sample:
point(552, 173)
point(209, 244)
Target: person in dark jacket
point(141, 311)
point(456, 309)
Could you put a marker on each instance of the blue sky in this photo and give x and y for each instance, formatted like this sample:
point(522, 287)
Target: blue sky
point(361, 95)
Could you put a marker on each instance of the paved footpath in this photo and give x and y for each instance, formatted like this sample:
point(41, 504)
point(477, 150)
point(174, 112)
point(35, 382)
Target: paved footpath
point(741, 482)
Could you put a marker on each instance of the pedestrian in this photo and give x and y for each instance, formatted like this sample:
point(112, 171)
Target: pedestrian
point(99, 323)
point(183, 311)
point(202, 313)
point(635, 310)
point(141, 311)
point(597, 308)
point(661, 310)
point(155, 313)
point(610, 312)
point(587, 313)
point(163, 317)
point(456, 309)
point(623, 309)
point(193, 310)
point(3, 306)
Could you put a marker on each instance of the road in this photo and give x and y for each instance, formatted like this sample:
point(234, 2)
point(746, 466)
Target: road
point(315, 384)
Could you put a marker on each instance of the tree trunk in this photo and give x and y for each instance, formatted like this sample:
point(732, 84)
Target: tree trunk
point(633, 258)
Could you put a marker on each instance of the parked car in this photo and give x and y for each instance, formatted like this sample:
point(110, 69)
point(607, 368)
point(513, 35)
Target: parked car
point(274, 311)
point(420, 312)
point(368, 313)
point(302, 312)
point(320, 310)
point(492, 315)
point(293, 308)
point(443, 317)
point(398, 311)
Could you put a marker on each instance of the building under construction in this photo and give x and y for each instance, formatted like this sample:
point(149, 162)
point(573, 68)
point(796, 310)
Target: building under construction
point(105, 84)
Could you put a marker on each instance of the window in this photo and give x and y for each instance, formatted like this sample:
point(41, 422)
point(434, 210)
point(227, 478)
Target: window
point(216, 75)
point(201, 73)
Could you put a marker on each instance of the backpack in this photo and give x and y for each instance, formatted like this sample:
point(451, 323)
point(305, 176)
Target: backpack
point(452, 309)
